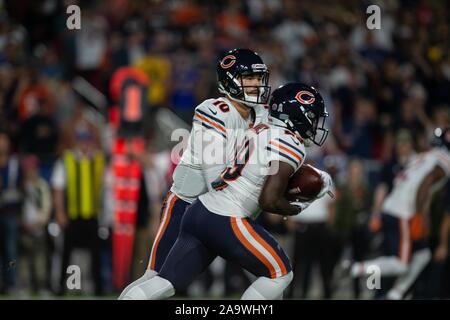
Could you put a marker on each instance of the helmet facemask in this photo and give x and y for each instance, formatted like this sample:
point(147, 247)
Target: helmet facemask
point(237, 91)
point(308, 127)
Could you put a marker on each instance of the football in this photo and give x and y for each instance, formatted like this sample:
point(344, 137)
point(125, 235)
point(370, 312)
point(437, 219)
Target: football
point(305, 184)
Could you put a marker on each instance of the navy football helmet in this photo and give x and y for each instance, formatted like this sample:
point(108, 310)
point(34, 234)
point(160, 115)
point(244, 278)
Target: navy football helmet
point(301, 108)
point(237, 63)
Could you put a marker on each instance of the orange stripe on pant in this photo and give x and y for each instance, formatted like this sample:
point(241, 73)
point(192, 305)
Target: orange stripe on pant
point(251, 248)
point(165, 218)
point(266, 246)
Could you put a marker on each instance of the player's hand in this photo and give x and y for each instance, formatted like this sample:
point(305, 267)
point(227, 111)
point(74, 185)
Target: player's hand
point(61, 219)
point(441, 253)
point(301, 205)
point(327, 184)
point(375, 223)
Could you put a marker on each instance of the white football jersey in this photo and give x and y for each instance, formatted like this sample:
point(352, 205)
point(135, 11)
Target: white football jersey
point(217, 130)
point(401, 201)
point(237, 191)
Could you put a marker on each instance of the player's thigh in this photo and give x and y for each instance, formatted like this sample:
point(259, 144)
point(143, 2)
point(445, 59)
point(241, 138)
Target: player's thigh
point(396, 237)
point(253, 248)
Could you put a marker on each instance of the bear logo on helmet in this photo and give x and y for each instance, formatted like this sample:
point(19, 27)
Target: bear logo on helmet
point(309, 99)
point(228, 61)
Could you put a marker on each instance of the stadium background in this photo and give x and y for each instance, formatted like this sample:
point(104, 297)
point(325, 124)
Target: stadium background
point(383, 89)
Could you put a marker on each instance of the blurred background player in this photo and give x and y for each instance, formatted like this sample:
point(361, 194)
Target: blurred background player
point(405, 213)
point(222, 221)
point(218, 125)
point(441, 253)
point(404, 149)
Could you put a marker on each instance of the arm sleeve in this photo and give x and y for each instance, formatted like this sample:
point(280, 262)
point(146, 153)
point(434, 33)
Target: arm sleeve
point(46, 207)
point(281, 149)
point(443, 160)
point(58, 178)
point(210, 134)
point(214, 155)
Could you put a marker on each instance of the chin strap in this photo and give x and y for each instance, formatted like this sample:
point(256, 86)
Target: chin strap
point(247, 104)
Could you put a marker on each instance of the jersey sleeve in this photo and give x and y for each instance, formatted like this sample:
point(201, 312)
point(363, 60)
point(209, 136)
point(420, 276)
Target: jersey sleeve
point(58, 178)
point(211, 119)
point(443, 160)
point(286, 149)
point(210, 131)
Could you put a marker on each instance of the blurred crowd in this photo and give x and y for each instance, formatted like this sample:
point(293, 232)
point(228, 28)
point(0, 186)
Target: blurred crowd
point(385, 89)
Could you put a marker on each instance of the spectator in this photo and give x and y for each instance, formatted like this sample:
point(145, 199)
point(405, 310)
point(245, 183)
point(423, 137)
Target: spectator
point(158, 68)
point(11, 196)
point(40, 137)
point(91, 46)
point(36, 215)
point(352, 214)
point(313, 243)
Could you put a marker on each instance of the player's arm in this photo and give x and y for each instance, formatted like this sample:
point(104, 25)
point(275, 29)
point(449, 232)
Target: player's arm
point(272, 198)
point(380, 193)
point(441, 251)
point(423, 198)
point(210, 124)
point(58, 184)
point(212, 163)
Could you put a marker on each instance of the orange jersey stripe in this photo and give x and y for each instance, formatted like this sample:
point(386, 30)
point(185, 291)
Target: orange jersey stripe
point(251, 248)
point(162, 228)
point(292, 153)
point(216, 125)
point(266, 246)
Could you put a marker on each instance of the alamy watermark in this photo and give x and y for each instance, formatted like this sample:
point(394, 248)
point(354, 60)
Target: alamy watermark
point(374, 20)
point(204, 148)
point(73, 281)
point(73, 22)
point(374, 277)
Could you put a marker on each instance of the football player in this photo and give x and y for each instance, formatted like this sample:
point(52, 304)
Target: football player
point(406, 252)
point(219, 126)
point(222, 221)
